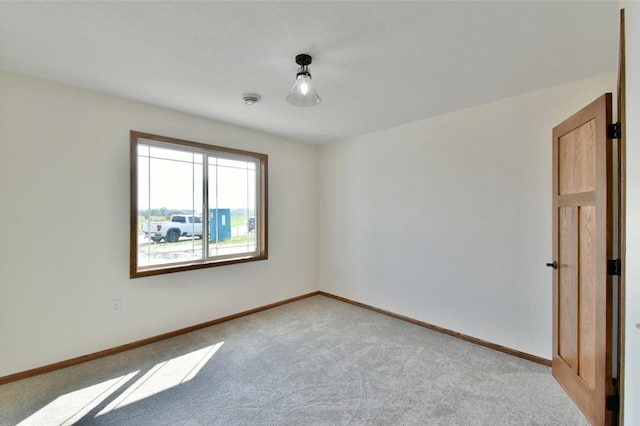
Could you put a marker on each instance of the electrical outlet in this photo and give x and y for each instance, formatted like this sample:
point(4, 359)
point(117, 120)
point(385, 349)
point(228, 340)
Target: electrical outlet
point(116, 305)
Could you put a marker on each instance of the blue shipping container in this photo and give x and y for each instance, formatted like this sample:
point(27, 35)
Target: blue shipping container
point(219, 224)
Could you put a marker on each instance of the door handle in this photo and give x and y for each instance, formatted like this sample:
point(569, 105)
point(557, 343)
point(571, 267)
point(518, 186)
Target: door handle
point(553, 265)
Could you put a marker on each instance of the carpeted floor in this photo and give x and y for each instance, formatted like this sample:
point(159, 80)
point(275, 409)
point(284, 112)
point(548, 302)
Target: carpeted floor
point(317, 361)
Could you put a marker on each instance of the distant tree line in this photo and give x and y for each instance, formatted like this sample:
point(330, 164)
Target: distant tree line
point(162, 211)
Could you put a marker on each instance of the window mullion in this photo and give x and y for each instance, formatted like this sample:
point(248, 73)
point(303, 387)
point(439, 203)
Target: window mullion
point(247, 242)
point(205, 206)
point(149, 198)
point(217, 207)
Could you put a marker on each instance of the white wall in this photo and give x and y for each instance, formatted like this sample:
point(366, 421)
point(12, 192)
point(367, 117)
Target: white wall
point(64, 191)
point(632, 332)
point(448, 220)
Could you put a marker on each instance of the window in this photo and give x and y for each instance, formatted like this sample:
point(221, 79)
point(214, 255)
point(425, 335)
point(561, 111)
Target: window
point(194, 205)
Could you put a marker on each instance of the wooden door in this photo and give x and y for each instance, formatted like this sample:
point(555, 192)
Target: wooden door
point(582, 297)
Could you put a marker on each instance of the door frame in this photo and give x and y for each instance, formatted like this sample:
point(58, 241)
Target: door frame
point(622, 217)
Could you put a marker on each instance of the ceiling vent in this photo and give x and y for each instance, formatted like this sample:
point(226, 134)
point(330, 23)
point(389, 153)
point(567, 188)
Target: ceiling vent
point(251, 98)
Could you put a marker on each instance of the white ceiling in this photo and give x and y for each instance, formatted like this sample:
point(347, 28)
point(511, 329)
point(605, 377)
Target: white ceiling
point(375, 64)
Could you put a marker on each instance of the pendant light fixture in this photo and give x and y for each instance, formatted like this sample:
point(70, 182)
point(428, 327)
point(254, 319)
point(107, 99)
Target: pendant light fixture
point(303, 93)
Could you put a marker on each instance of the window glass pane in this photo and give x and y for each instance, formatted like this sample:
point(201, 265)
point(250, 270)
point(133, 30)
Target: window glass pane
point(143, 150)
point(143, 186)
point(232, 208)
point(175, 154)
point(239, 164)
point(232, 187)
point(173, 192)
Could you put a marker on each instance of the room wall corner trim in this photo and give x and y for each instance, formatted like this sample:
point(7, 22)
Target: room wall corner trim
point(504, 349)
point(112, 351)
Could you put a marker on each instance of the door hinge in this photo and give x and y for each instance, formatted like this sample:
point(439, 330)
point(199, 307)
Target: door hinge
point(614, 130)
point(613, 403)
point(614, 267)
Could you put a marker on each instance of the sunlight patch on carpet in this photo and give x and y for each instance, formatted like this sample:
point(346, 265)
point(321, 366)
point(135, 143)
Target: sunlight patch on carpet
point(73, 406)
point(163, 376)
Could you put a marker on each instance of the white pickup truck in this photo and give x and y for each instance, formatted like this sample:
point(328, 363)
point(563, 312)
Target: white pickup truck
point(180, 226)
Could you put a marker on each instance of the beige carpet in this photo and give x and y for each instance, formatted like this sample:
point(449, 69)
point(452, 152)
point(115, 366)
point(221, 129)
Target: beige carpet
point(317, 361)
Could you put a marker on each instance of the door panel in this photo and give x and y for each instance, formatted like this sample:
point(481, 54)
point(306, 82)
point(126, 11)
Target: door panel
point(586, 296)
point(567, 290)
point(582, 225)
point(577, 160)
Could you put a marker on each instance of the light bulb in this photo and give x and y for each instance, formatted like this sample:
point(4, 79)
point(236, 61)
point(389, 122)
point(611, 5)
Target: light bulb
point(303, 93)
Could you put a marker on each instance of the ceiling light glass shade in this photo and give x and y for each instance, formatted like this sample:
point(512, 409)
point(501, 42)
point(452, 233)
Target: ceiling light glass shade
point(303, 93)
